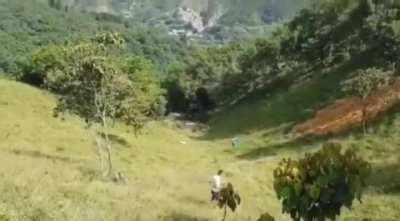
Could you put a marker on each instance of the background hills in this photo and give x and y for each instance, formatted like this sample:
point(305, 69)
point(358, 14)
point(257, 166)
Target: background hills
point(194, 16)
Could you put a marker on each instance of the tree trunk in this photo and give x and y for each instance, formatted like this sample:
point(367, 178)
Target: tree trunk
point(99, 150)
point(107, 144)
point(364, 117)
point(225, 211)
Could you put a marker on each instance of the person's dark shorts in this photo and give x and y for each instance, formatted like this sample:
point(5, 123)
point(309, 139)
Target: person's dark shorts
point(214, 196)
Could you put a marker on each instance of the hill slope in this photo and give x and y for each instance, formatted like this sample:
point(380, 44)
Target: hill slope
point(27, 26)
point(51, 164)
point(264, 123)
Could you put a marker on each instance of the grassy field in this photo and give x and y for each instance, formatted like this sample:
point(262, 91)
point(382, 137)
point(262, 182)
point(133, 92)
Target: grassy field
point(49, 168)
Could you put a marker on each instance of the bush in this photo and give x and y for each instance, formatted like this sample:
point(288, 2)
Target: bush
point(228, 198)
point(319, 185)
point(34, 69)
point(266, 217)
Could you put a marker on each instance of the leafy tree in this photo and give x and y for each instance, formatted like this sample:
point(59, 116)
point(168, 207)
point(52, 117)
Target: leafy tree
point(363, 84)
point(228, 198)
point(33, 69)
point(96, 82)
point(93, 88)
point(319, 185)
point(259, 66)
point(208, 65)
point(147, 86)
point(177, 83)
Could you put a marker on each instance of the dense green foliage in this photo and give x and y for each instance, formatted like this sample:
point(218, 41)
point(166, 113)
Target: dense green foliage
point(198, 79)
point(28, 25)
point(81, 67)
point(328, 35)
point(319, 185)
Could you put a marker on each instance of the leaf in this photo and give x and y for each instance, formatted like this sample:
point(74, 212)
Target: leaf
point(315, 191)
point(237, 198)
point(221, 203)
point(298, 188)
point(232, 204)
point(326, 195)
point(323, 180)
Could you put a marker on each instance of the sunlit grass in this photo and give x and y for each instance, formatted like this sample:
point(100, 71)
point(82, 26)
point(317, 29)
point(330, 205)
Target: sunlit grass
point(49, 169)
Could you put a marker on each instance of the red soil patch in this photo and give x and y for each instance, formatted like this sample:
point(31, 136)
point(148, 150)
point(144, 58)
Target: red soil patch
point(346, 113)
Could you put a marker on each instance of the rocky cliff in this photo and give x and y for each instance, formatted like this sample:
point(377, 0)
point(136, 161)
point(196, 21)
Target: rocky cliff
point(194, 16)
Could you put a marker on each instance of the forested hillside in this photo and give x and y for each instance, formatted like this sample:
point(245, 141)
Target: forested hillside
point(28, 25)
point(333, 35)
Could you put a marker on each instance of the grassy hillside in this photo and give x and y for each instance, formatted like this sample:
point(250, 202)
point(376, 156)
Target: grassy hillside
point(264, 121)
point(51, 163)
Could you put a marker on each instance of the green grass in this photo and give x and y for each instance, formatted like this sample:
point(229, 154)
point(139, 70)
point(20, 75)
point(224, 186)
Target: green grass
point(48, 166)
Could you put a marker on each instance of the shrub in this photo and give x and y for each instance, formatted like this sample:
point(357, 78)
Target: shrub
point(364, 83)
point(319, 185)
point(34, 69)
point(228, 198)
point(266, 217)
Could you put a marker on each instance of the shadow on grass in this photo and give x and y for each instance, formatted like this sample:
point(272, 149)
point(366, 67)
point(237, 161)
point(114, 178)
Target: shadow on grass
point(38, 154)
point(90, 174)
point(117, 140)
point(299, 143)
point(182, 217)
point(193, 200)
point(270, 150)
point(386, 178)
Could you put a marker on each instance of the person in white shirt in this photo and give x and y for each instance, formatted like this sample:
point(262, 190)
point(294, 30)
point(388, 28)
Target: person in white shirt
point(216, 185)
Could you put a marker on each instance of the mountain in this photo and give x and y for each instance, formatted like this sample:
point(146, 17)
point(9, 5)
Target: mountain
point(193, 17)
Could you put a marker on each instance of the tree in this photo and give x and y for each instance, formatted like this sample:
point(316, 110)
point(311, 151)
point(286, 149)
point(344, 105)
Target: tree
point(95, 82)
point(34, 69)
point(228, 198)
point(177, 87)
point(316, 187)
point(363, 84)
point(209, 68)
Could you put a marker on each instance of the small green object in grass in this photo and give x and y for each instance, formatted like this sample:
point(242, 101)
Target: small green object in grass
point(235, 142)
